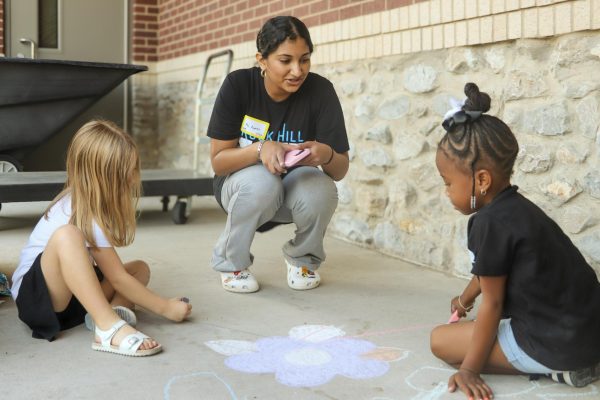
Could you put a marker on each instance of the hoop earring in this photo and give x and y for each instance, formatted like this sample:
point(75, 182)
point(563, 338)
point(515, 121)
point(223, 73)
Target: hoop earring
point(483, 192)
point(263, 72)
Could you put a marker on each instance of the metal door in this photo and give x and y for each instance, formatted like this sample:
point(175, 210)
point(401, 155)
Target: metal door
point(79, 30)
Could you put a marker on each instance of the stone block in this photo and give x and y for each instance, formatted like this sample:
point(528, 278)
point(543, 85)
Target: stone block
point(569, 153)
point(376, 157)
point(415, 40)
point(564, 17)
point(460, 33)
point(461, 60)
point(498, 6)
point(353, 229)
point(404, 19)
point(380, 133)
point(589, 246)
point(576, 219)
point(471, 9)
point(485, 7)
point(515, 24)
point(344, 192)
point(427, 38)
point(449, 39)
point(371, 200)
point(548, 120)
point(546, 21)
point(458, 10)
point(408, 146)
point(495, 58)
point(473, 32)
point(438, 37)
point(512, 5)
point(561, 190)
point(500, 27)
point(525, 84)
point(591, 183)
point(435, 12)
point(588, 115)
point(582, 16)
point(420, 78)
point(535, 159)
point(530, 23)
point(406, 42)
point(394, 108)
point(487, 33)
point(351, 86)
point(365, 108)
point(595, 14)
point(446, 10)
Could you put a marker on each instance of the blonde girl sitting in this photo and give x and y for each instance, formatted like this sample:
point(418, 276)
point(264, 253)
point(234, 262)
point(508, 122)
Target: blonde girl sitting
point(69, 265)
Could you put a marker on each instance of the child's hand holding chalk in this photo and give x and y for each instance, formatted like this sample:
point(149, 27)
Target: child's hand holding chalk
point(454, 317)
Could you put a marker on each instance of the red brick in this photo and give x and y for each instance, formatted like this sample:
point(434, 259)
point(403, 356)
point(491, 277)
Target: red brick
point(339, 3)
point(330, 16)
point(146, 2)
point(300, 12)
point(373, 6)
point(312, 21)
point(318, 7)
point(398, 3)
point(350, 12)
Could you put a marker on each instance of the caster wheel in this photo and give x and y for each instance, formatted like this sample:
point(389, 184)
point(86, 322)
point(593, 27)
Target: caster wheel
point(178, 214)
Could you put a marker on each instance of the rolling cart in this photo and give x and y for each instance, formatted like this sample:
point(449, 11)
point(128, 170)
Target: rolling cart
point(183, 204)
point(40, 97)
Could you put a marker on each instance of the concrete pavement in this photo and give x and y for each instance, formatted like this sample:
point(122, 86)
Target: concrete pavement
point(364, 334)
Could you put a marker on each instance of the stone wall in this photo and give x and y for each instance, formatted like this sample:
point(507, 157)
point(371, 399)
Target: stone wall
point(392, 200)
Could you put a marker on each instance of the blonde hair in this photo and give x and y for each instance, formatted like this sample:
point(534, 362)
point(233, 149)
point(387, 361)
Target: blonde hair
point(103, 179)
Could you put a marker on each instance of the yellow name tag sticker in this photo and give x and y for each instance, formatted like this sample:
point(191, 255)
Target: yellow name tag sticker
point(255, 127)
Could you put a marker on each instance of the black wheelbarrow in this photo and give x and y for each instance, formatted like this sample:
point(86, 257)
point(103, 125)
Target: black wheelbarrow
point(38, 98)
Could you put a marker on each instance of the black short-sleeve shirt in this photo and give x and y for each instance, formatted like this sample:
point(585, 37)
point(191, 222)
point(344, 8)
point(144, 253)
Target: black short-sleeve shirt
point(312, 113)
point(552, 294)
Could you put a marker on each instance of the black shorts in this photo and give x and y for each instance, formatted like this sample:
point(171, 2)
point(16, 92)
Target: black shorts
point(35, 306)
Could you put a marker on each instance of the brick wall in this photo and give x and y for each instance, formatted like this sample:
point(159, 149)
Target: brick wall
point(1, 27)
point(144, 34)
point(189, 26)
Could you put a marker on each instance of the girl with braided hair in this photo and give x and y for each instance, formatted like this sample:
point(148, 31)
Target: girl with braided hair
point(540, 308)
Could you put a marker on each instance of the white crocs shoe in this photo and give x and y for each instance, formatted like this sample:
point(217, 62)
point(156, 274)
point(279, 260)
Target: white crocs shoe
point(239, 281)
point(302, 278)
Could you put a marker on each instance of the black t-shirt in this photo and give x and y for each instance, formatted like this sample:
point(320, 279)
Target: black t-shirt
point(312, 113)
point(552, 294)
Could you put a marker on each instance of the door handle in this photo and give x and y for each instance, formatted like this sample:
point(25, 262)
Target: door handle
point(32, 45)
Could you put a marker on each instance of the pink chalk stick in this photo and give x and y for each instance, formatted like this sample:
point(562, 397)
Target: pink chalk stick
point(293, 156)
point(454, 317)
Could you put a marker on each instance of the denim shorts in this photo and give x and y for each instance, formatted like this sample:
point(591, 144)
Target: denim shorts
point(514, 354)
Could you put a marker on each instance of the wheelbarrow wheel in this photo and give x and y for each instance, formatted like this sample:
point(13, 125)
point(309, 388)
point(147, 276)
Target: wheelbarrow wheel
point(9, 164)
point(178, 213)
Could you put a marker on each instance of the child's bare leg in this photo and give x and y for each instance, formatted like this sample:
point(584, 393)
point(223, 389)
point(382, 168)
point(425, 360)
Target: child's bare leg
point(139, 270)
point(451, 342)
point(68, 272)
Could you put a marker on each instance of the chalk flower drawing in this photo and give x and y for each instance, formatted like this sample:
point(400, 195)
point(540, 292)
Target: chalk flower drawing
point(310, 356)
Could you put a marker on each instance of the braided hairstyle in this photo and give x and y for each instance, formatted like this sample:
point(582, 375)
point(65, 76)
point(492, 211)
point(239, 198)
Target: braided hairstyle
point(277, 30)
point(477, 140)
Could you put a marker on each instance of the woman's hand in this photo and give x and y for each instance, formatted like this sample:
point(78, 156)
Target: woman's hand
point(320, 153)
point(471, 384)
point(272, 155)
point(177, 310)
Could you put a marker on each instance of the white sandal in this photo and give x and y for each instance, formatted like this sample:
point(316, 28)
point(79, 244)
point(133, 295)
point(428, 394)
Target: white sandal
point(129, 345)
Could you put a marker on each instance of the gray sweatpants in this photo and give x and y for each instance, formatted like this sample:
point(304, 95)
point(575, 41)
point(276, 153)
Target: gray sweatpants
point(252, 196)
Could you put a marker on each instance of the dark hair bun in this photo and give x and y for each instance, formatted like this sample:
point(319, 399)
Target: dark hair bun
point(476, 100)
